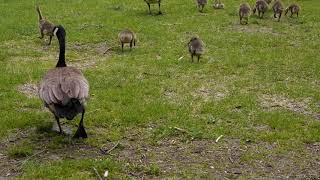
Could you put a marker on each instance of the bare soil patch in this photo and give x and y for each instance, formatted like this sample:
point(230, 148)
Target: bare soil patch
point(42, 152)
point(99, 48)
point(29, 89)
point(174, 156)
point(251, 29)
point(208, 94)
point(273, 102)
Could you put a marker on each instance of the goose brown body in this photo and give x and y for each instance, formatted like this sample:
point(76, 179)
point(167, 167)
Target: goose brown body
point(201, 4)
point(61, 84)
point(46, 27)
point(196, 47)
point(261, 6)
point(244, 13)
point(278, 9)
point(294, 9)
point(127, 36)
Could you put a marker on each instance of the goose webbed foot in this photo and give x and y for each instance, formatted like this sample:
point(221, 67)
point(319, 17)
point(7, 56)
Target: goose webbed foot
point(81, 133)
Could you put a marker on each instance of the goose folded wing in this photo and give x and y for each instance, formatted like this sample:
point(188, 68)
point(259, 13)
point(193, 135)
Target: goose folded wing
point(60, 91)
point(75, 87)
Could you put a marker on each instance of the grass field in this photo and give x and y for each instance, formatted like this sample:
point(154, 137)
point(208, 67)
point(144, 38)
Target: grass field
point(257, 85)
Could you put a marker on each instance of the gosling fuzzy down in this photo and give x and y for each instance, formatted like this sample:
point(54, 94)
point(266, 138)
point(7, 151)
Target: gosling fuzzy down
point(153, 2)
point(196, 47)
point(294, 9)
point(201, 4)
point(127, 36)
point(244, 13)
point(261, 6)
point(218, 5)
point(64, 90)
point(277, 9)
point(46, 27)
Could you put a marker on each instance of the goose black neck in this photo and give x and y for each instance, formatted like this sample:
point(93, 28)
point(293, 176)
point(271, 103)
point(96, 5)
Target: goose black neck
point(61, 35)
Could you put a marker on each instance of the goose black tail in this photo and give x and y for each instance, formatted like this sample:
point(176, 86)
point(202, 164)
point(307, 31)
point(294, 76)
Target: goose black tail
point(70, 110)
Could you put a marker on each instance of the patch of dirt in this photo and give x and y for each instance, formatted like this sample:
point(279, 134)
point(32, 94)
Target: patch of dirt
point(100, 48)
point(254, 29)
point(30, 90)
point(206, 158)
point(173, 156)
point(84, 64)
point(208, 94)
point(271, 102)
point(172, 96)
point(42, 152)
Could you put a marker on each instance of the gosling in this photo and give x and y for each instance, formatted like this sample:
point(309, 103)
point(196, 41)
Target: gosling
point(196, 48)
point(244, 13)
point(127, 36)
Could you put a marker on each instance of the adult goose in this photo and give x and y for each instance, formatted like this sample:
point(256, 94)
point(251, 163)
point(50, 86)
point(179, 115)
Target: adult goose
point(64, 90)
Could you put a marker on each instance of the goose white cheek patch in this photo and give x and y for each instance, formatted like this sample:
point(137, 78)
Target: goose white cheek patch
point(55, 31)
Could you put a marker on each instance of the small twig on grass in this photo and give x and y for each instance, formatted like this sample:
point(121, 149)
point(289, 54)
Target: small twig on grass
point(97, 173)
point(231, 160)
point(217, 140)
point(30, 157)
point(105, 52)
point(111, 149)
point(179, 129)
point(116, 145)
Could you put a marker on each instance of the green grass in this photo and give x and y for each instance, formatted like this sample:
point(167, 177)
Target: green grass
point(149, 99)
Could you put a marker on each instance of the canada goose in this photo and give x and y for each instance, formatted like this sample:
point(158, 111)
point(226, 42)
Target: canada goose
point(261, 6)
point(201, 4)
point(64, 90)
point(218, 5)
point(294, 9)
point(196, 47)
point(244, 12)
point(153, 2)
point(277, 9)
point(127, 36)
point(46, 27)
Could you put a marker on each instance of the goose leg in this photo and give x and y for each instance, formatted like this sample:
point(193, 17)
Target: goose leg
point(131, 45)
point(122, 46)
point(59, 125)
point(50, 40)
point(81, 132)
point(160, 8)
point(279, 17)
point(149, 8)
point(198, 58)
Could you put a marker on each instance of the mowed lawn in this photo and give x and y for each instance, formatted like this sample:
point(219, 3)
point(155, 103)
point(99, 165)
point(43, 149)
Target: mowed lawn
point(152, 113)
